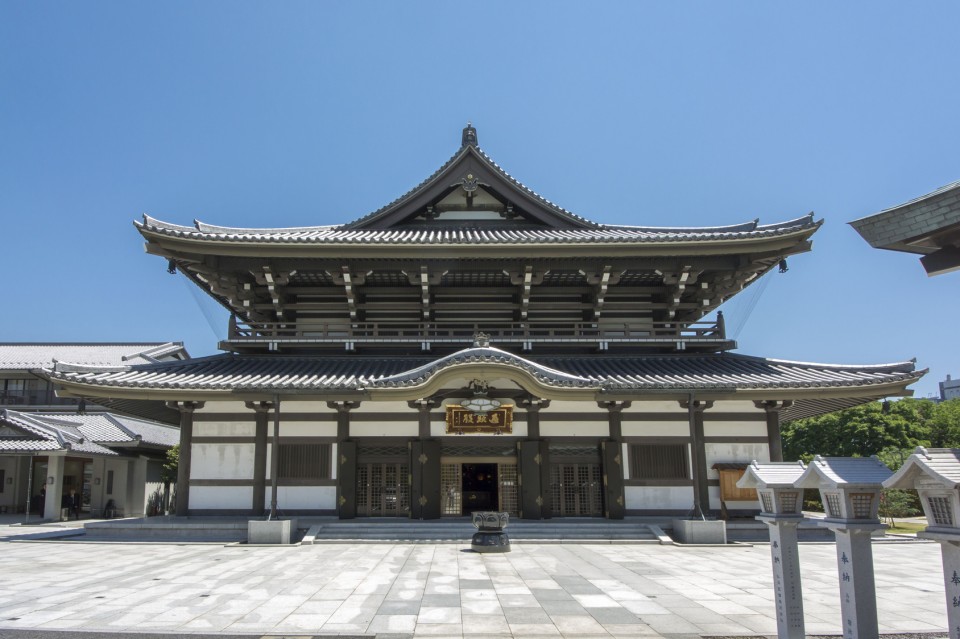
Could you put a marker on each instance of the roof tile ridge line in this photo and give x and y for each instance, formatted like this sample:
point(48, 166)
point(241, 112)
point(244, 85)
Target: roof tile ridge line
point(160, 224)
point(533, 193)
point(149, 353)
point(347, 226)
point(908, 366)
point(741, 226)
point(448, 360)
point(804, 222)
point(916, 200)
point(49, 429)
point(69, 367)
point(204, 227)
point(113, 420)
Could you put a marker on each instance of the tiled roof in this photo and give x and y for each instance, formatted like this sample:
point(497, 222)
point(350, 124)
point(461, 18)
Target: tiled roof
point(48, 434)
point(844, 471)
point(892, 228)
point(603, 373)
point(940, 464)
point(91, 433)
point(600, 234)
point(486, 159)
point(29, 356)
point(771, 475)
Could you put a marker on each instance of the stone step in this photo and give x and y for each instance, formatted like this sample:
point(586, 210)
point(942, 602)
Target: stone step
point(460, 531)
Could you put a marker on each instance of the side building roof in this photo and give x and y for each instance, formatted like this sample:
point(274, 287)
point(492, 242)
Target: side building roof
point(35, 355)
point(95, 433)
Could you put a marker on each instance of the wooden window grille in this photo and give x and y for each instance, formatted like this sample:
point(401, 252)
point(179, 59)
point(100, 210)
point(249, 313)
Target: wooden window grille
point(833, 506)
point(304, 461)
point(767, 502)
point(788, 502)
point(941, 510)
point(659, 461)
point(507, 475)
point(451, 489)
point(862, 505)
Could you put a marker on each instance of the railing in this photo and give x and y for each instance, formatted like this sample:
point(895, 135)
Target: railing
point(465, 332)
point(33, 397)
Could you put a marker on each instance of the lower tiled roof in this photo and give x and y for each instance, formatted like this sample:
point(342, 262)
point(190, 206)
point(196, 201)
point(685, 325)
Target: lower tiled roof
point(604, 373)
point(95, 433)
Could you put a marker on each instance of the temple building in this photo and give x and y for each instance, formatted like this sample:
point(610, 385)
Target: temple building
point(473, 346)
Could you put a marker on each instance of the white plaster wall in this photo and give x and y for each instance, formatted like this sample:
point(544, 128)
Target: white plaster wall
point(119, 495)
point(659, 497)
point(573, 429)
point(741, 406)
point(224, 429)
point(735, 429)
point(221, 497)
point(655, 429)
point(377, 429)
point(221, 461)
point(304, 497)
point(396, 408)
point(571, 407)
point(304, 429)
point(310, 407)
point(655, 406)
point(334, 462)
point(743, 453)
point(625, 456)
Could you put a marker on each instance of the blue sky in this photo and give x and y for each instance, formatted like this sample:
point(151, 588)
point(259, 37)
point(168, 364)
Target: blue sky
point(301, 113)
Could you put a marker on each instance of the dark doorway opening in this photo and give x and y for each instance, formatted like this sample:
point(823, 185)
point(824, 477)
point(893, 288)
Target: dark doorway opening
point(479, 487)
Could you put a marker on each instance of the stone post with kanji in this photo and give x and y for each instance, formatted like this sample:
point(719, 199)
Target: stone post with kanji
point(780, 509)
point(935, 474)
point(850, 489)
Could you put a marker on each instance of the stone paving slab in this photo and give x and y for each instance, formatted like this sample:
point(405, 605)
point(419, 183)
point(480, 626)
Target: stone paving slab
point(443, 590)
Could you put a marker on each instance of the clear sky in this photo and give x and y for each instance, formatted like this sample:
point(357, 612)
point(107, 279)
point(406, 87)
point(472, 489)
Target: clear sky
point(304, 113)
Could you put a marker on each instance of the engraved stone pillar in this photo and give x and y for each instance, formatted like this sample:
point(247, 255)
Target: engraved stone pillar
point(850, 489)
point(935, 474)
point(183, 466)
point(261, 416)
point(780, 503)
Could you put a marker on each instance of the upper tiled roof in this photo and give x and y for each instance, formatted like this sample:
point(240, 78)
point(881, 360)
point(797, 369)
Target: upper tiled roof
point(895, 227)
point(940, 464)
point(843, 471)
point(30, 356)
point(478, 234)
point(771, 474)
point(604, 373)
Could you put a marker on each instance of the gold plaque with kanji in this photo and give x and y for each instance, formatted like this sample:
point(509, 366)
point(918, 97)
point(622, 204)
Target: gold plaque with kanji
point(496, 422)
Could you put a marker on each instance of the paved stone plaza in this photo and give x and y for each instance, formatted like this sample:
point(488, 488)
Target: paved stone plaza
point(443, 589)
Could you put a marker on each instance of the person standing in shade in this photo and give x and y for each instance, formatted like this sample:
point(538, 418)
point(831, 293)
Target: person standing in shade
point(73, 503)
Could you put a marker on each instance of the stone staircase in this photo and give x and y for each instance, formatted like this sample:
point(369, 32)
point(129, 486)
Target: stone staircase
point(460, 530)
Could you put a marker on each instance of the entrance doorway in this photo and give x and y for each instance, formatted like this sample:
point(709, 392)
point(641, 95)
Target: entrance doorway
point(470, 486)
point(576, 490)
point(383, 490)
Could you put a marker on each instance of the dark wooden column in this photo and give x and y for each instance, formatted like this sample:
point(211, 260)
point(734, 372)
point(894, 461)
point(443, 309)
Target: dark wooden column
point(534, 460)
point(425, 490)
point(262, 415)
point(698, 454)
point(346, 461)
point(773, 409)
point(614, 502)
point(183, 465)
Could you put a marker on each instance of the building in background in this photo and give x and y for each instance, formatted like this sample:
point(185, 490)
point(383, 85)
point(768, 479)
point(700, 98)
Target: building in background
point(50, 445)
point(473, 346)
point(949, 389)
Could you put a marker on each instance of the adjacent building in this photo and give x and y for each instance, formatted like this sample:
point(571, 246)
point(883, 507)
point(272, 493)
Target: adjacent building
point(928, 226)
point(50, 445)
point(470, 346)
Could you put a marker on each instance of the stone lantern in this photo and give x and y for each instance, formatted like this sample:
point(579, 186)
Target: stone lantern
point(781, 505)
point(850, 488)
point(935, 474)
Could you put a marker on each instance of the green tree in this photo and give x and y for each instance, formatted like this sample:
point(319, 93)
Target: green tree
point(945, 424)
point(860, 431)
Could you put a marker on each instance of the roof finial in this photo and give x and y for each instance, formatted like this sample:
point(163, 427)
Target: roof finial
point(469, 135)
